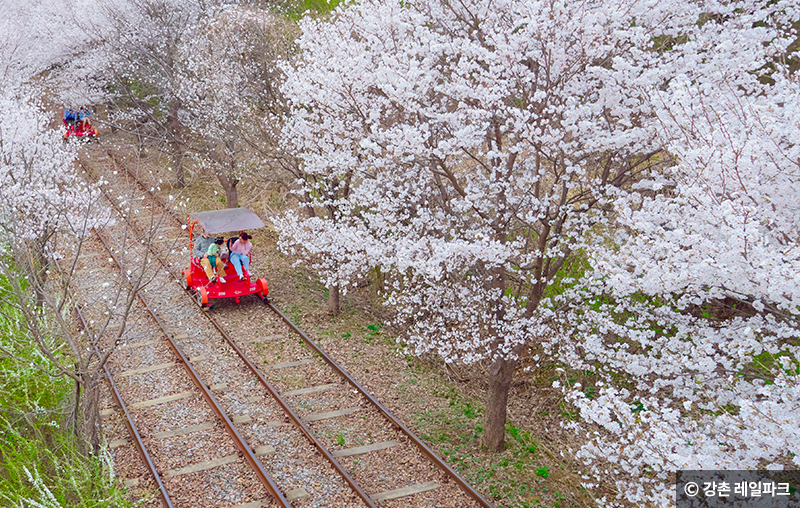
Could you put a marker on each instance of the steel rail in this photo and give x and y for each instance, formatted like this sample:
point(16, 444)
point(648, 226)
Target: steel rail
point(466, 487)
point(463, 484)
point(273, 392)
point(265, 479)
point(295, 418)
point(249, 454)
point(162, 490)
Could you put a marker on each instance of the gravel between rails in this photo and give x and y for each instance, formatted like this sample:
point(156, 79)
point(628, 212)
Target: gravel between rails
point(268, 341)
point(229, 485)
point(200, 489)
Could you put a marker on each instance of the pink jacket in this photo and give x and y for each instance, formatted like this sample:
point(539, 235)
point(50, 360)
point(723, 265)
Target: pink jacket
point(241, 247)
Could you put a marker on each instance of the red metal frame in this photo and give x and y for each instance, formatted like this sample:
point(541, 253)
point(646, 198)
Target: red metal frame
point(79, 129)
point(195, 279)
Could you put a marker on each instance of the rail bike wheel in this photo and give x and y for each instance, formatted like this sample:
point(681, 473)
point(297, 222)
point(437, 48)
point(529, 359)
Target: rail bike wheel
point(201, 296)
point(186, 280)
point(263, 289)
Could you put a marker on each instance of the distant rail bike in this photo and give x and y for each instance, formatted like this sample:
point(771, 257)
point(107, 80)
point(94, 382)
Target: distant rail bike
point(77, 125)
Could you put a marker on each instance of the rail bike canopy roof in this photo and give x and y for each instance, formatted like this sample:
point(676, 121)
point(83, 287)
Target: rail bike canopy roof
point(225, 221)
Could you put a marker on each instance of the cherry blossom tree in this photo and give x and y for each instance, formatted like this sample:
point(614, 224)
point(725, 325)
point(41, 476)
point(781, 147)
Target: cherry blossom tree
point(694, 319)
point(48, 212)
point(474, 149)
point(484, 139)
point(41, 39)
point(40, 197)
point(337, 252)
point(137, 58)
point(229, 86)
point(196, 79)
point(48, 209)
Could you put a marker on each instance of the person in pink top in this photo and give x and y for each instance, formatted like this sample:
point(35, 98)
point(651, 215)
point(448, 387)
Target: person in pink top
point(240, 254)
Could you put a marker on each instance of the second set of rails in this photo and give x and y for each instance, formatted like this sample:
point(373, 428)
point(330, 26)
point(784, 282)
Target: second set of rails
point(274, 431)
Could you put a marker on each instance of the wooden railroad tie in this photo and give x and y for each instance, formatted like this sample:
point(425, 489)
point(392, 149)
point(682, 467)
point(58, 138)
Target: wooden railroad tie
point(360, 450)
point(405, 491)
point(331, 414)
point(210, 464)
point(268, 338)
point(292, 495)
point(154, 368)
point(286, 365)
point(313, 389)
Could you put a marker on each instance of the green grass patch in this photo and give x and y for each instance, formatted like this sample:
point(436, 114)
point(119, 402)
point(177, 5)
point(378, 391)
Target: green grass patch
point(41, 466)
point(515, 478)
point(40, 461)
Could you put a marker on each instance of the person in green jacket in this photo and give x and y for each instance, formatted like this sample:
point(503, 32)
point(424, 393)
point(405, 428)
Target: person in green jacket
point(212, 258)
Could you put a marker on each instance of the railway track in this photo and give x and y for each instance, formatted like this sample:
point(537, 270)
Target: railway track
point(249, 413)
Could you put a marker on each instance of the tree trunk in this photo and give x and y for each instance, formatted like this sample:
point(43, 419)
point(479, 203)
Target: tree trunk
point(177, 161)
point(230, 185)
point(500, 375)
point(75, 416)
point(380, 278)
point(309, 207)
point(174, 130)
point(41, 275)
point(333, 300)
point(226, 179)
point(90, 403)
point(232, 194)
